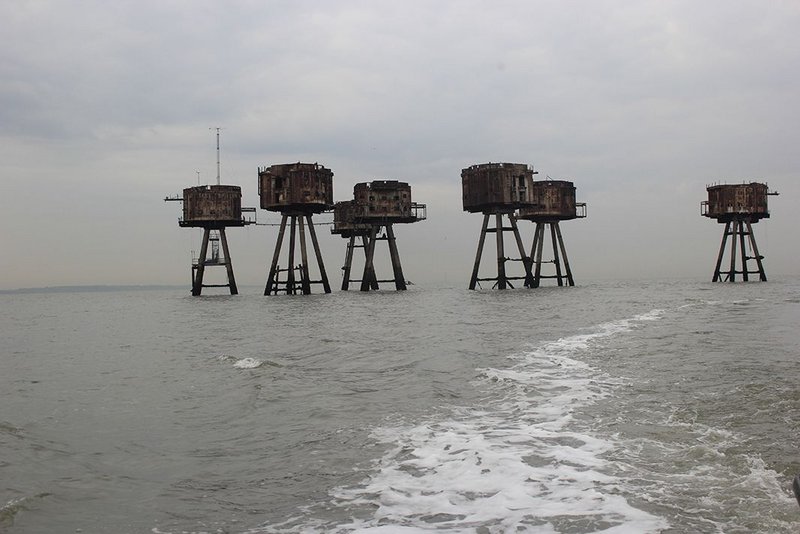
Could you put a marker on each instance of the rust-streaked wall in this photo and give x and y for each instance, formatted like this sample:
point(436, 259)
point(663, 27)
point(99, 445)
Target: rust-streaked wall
point(212, 205)
point(303, 187)
point(726, 202)
point(385, 200)
point(493, 186)
point(344, 224)
point(552, 200)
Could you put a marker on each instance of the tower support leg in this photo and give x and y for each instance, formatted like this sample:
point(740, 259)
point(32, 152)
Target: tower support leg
point(560, 260)
point(737, 229)
point(502, 281)
point(743, 251)
point(348, 263)
point(322, 273)
point(526, 260)
point(298, 222)
point(570, 280)
point(399, 278)
point(762, 275)
point(369, 266)
point(228, 262)
point(271, 287)
point(197, 278)
point(372, 276)
point(305, 279)
point(732, 273)
point(556, 259)
point(717, 275)
point(538, 245)
point(290, 284)
point(474, 279)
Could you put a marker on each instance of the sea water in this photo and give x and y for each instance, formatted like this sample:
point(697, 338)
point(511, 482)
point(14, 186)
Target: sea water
point(618, 407)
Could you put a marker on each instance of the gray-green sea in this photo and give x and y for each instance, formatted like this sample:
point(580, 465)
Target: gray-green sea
point(616, 407)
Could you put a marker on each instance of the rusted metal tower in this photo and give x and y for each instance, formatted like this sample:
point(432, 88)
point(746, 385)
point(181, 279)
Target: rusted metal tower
point(297, 191)
point(213, 208)
point(498, 189)
point(739, 207)
point(376, 206)
point(344, 225)
point(553, 201)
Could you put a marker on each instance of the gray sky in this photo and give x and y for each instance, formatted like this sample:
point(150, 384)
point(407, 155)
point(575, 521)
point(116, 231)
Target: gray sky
point(105, 108)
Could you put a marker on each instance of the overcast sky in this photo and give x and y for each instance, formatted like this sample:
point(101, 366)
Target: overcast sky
point(105, 109)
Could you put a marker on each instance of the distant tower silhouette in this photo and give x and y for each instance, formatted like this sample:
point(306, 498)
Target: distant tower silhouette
point(213, 208)
point(498, 189)
point(297, 191)
point(378, 204)
point(739, 207)
point(553, 201)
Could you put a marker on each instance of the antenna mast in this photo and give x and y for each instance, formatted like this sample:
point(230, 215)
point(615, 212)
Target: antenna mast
point(218, 129)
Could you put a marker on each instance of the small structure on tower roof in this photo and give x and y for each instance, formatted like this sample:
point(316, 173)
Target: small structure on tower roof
point(376, 205)
point(553, 201)
point(297, 191)
point(498, 189)
point(739, 207)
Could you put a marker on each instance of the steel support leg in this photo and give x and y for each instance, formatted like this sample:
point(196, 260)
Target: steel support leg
point(570, 281)
point(197, 279)
point(538, 243)
point(556, 259)
point(322, 273)
point(373, 278)
point(526, 261)
point(761, 273)
point(348, 263)
point(399, 278)
point(290, 273)
point(474, 279)
point(732, 274)
point(305, 279)
point(370, 255)
point(743, 251)
point(717, 275)
point(228, 262)
point(501, 255)
point(273, 269)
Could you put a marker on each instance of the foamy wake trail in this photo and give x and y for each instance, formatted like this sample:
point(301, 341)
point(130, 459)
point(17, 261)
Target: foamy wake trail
point(518, 462)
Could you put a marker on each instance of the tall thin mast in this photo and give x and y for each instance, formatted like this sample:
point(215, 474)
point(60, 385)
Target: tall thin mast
point(218, 129)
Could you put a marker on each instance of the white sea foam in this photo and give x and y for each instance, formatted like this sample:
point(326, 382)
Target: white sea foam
point(708, 480)
point(516, 462)
point(248, 363)
point(241, 363)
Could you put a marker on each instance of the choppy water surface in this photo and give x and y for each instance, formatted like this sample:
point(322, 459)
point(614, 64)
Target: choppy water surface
point(608, 407)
